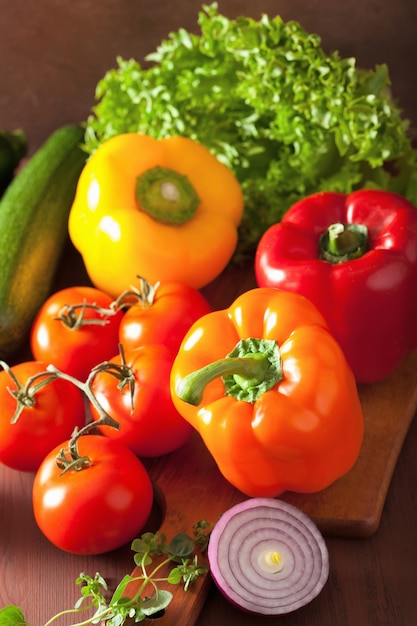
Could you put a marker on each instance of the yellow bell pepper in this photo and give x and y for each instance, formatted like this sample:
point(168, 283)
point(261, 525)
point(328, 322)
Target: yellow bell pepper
point(166, 209)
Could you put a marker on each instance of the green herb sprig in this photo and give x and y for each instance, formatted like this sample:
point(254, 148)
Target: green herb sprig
point(152, 553)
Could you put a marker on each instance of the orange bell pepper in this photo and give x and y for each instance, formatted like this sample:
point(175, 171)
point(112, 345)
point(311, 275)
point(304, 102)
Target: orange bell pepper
point(270, 392)
point(166, 209)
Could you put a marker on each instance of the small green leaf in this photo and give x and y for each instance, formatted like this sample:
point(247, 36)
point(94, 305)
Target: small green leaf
point(92, 588)
point(188, 571)
point(120, 589)
point(175, 576)
point(142, 559)
point(12, 616)
point(202, 531)
point(157, 603)
point(152, 543)
point(181, 545)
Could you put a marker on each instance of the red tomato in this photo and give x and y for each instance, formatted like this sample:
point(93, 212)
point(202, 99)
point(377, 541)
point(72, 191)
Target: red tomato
point(154, 427)
point(58, 408)
point(165, 319)
point(98, 508)
point(71, 348)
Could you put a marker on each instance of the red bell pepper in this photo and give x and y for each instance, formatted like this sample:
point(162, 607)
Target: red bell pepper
point(355, 257)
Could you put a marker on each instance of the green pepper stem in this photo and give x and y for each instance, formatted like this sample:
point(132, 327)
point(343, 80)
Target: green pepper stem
point(343, 242)
point(253, 367)
point(166, 195)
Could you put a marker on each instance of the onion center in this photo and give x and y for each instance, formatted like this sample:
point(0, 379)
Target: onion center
point(271, 561)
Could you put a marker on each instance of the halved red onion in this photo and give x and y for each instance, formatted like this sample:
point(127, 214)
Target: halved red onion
point(268, 557)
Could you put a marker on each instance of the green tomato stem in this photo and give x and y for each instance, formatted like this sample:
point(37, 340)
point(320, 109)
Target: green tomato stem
point(143, 296)
point(85, 387)
point(70, 459)
point(25, 394)
point(73, 315)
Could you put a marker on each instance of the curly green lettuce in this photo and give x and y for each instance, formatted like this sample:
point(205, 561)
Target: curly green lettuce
point(269, 102)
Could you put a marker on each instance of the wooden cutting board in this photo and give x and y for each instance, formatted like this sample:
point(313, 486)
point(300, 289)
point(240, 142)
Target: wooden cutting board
point(190, 487)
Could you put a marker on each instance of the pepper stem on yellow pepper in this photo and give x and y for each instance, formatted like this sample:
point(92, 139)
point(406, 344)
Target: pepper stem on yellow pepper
point(250, 369)
point(343, 242)
point(166, 195)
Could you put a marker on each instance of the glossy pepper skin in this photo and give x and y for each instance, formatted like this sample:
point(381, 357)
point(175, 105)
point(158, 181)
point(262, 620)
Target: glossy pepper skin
point(166, 209)
point(289, 419)
point(369, 296)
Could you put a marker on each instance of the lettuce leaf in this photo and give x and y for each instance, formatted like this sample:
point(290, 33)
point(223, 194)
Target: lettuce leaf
point(269, 102)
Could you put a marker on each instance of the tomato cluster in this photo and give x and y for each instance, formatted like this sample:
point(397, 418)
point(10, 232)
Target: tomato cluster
point(93, 401)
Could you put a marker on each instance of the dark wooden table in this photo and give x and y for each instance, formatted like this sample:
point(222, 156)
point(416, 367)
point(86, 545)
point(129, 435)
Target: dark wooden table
point(51, 56)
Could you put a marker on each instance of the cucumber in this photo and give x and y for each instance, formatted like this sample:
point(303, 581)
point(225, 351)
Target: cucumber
point(13, 147)
point(34, 213)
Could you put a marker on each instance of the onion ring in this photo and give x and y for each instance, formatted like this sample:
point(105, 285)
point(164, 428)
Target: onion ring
point(268, 557)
